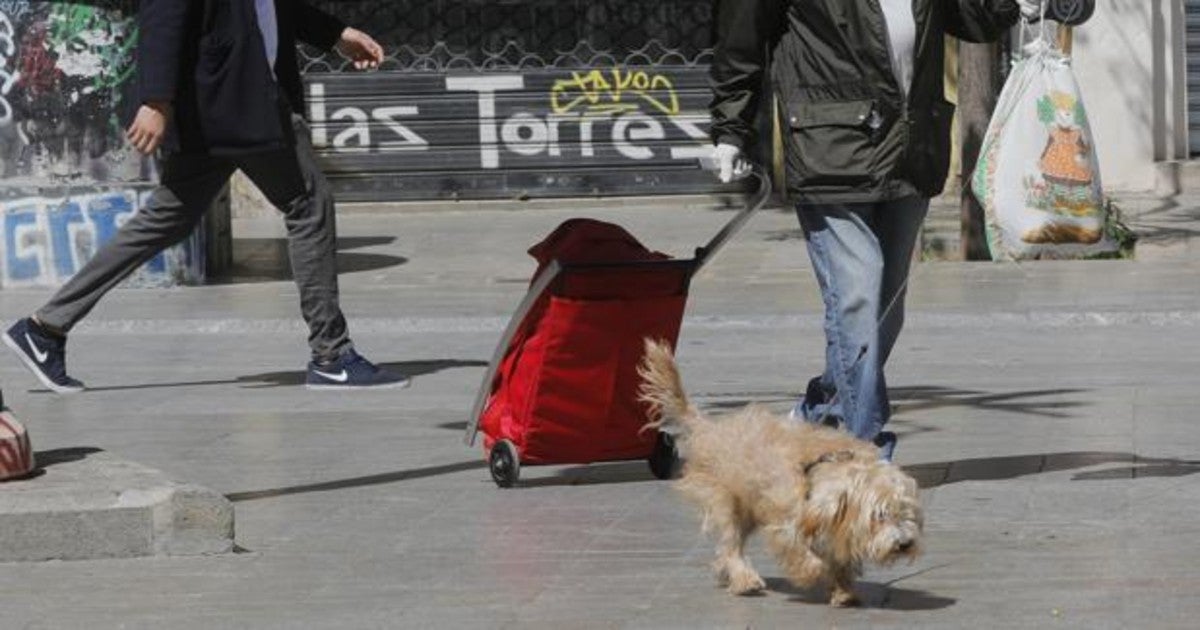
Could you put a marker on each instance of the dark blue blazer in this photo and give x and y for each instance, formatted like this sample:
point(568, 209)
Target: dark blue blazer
point(207, 58)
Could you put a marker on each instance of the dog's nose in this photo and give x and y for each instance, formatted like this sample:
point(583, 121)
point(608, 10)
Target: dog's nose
point(904, 546)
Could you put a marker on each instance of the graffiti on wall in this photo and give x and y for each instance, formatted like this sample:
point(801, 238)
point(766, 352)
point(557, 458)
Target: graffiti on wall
point(65, 85)
point(14, 8)
point(613, 116)
point(46, 240)
point(8, 74)
point(616, 90)
point(66, 80)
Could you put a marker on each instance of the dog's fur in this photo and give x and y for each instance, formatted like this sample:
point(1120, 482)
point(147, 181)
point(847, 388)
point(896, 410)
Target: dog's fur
point(822, 498)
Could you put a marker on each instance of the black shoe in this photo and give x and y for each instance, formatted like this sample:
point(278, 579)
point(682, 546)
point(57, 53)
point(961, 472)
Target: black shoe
point(815, 396)
point(352, 371)
point(819, 395)
point(886, 441)
point(45, 355)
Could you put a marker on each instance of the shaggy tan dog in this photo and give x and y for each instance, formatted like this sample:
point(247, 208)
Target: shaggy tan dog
point(822, 498)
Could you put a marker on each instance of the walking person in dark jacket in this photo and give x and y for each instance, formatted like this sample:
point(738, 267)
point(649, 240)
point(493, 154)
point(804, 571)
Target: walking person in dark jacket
point(866, 133)
point(220, 90)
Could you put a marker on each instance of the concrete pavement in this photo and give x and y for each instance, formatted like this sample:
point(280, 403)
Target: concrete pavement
point(1048, 408)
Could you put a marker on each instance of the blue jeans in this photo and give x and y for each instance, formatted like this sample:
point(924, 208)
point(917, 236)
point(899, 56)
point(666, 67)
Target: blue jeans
point(861, 254)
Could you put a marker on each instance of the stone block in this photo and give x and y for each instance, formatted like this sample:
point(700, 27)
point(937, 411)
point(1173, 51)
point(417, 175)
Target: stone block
point(85, 503)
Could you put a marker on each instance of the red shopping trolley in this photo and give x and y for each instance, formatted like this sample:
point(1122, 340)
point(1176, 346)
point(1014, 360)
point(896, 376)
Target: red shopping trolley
point(562, 384)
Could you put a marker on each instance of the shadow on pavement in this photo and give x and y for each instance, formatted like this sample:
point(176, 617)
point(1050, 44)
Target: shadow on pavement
point(410, 368)
point(358, 482)
point(53, 457)
point(909, 399)
point(620, 472)
point(288, 379)
point(266, 259)
point(872, 595)
point(592, 474)
point(930, 475)
point(936, 474)
point(1170, 218)
point(894, 598)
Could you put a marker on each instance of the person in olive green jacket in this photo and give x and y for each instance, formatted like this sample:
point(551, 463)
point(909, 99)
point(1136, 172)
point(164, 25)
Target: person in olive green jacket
point(866, 129)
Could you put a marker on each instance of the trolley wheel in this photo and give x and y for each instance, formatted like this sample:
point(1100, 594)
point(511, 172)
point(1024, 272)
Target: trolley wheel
point(664, 461)
point(504, 464)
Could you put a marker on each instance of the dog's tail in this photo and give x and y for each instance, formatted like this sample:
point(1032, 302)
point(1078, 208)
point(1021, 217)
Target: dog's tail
point(662, 390)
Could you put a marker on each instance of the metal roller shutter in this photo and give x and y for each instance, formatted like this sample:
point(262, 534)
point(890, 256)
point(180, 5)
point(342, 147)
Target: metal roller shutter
point(1193, 73)
point(486, 99)
point(543, 132)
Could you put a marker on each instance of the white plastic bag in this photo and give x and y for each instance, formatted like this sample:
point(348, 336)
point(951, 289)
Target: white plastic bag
point(1037, 176)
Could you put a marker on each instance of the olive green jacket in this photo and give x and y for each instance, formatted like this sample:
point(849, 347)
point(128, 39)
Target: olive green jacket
point(851, 135)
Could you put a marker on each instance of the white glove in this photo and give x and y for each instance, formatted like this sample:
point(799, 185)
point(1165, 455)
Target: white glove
point(1031, 9)
point(732, 164)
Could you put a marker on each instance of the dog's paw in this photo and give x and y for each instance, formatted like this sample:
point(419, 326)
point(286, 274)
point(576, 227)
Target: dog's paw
point(843, 599)
point(746, 583)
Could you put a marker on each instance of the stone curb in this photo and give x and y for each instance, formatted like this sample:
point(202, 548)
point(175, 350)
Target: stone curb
point(84, 503)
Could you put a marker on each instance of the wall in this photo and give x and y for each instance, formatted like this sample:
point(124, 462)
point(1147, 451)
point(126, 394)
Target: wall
point(1128, 61)
point(68, 179)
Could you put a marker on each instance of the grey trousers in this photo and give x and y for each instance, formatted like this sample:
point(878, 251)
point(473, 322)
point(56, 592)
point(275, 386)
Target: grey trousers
point(290, 179)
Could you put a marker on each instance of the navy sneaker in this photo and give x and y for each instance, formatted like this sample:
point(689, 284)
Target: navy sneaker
point(813, 403)
point(43, 353)
point(886, 441)
point(352, 371)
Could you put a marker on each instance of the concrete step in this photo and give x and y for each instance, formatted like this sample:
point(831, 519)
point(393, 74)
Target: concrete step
point(85, 503)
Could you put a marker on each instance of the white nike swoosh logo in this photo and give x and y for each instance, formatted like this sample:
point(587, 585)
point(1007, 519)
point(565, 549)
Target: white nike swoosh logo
point(340, 377)
point(37, 352)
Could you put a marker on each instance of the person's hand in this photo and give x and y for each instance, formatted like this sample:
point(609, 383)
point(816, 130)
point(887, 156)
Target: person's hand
point(731, 163)
point(1031, 9)
point(149, 126)
point(362, 49)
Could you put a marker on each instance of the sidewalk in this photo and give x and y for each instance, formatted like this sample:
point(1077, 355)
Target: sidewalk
point(1167, 227)
point(1048, 409)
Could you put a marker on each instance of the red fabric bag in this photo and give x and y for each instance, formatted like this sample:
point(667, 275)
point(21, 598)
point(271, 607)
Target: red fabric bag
point(16, 453)
point(566, 389)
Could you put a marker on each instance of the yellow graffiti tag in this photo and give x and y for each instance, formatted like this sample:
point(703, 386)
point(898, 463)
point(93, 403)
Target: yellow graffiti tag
point(600, 92)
